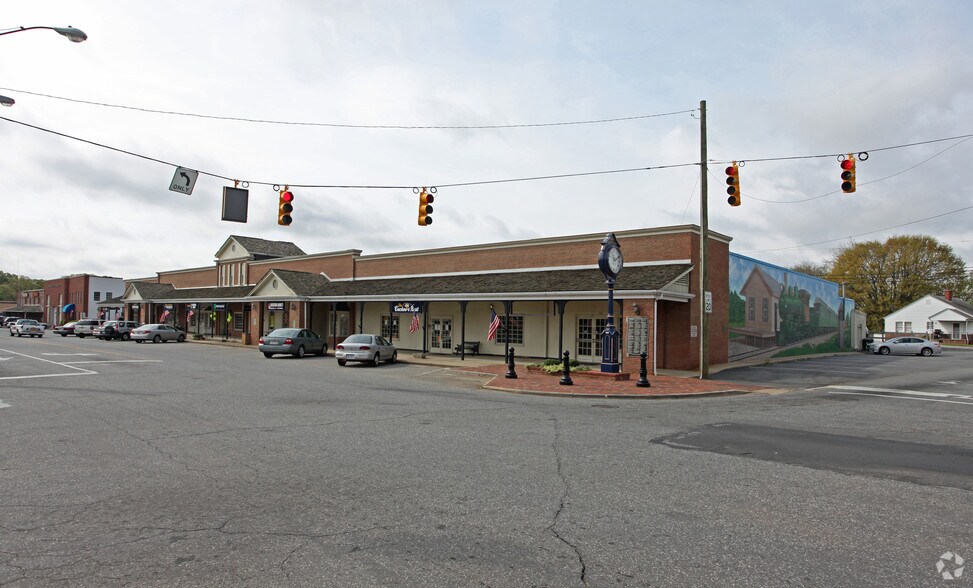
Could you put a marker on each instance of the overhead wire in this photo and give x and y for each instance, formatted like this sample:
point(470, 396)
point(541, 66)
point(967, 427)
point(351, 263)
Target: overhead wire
point(349, 125)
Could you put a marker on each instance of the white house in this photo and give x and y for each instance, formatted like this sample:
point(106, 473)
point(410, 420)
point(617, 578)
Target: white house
point(954, 317)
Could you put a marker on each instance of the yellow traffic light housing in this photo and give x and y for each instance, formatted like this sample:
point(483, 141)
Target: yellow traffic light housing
point(425, 208)
point(733, 185)
point(848, 182)
point(285, 207)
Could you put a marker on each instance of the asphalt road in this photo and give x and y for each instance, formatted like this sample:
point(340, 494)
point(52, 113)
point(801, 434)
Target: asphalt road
point(188, 465)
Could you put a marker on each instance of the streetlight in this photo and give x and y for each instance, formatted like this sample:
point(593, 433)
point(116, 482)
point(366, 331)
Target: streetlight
point(73, 34)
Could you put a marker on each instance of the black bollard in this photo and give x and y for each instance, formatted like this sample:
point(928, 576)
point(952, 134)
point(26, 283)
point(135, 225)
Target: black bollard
point(643, 380)
point(566, 378)
point(510, 366)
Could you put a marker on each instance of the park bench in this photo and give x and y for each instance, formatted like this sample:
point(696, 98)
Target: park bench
point(470, 347)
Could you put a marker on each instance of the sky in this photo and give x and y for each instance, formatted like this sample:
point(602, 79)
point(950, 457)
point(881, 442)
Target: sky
point(787, 85)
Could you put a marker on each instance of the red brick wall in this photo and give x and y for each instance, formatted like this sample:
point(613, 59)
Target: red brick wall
point(335, 267)
point(201, 278)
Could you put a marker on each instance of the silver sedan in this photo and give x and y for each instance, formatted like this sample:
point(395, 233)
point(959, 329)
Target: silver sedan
point(157, 334)
point(296, 342)
point(907, 346)
point(371, 349)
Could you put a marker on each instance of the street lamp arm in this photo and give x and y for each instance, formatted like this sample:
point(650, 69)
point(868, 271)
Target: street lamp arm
point(73, 34)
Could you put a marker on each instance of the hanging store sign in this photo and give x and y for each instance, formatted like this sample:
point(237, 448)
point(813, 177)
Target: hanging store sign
point(409, 307)
point(275, 306)
point(219, 306)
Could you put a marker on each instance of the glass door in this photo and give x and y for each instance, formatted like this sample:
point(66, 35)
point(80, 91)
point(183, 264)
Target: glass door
point(588, 342)
point(442, 334)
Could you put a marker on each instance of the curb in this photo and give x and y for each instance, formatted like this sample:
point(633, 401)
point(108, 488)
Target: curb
point(671, 396)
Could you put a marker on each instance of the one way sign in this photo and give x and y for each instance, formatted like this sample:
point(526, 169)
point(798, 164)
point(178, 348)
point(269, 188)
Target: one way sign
point(183, 180)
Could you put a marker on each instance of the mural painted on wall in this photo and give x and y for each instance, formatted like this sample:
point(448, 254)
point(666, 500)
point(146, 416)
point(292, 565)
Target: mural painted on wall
point(776, 312)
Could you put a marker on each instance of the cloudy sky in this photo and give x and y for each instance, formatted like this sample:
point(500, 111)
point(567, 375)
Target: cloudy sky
point(781, 80)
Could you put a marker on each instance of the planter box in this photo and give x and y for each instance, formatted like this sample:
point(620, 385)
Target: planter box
point(595, 375)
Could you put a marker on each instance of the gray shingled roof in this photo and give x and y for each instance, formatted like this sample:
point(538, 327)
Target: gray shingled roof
point(256, 246)
point(302, 283)
point(654, 277)
point(152, 290)
point(957, 302)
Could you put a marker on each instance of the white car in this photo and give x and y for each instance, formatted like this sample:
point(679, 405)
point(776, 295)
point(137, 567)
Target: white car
point(907, 346)
point(27, 327)
point(371, 349)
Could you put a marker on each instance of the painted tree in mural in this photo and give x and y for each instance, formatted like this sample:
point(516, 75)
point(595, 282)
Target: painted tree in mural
point(883, 277)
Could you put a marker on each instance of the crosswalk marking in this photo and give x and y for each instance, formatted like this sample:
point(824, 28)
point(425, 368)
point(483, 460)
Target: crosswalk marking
point(901, 394)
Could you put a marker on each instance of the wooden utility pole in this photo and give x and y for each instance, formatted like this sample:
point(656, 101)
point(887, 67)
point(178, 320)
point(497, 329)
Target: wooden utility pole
point(703, 238)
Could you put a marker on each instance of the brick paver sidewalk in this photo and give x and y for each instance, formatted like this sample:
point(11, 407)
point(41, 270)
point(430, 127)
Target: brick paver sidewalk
point(539, 382)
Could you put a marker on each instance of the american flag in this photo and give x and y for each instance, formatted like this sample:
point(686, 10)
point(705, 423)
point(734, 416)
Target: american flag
point(190, 313)
point(494, 325)
point(165, 314)
point(415, 322)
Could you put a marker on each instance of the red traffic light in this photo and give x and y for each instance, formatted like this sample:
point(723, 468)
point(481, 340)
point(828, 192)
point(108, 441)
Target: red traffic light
point(732, 170)
point(287, 196)
point(847, 164)
point(285, 208)
point(733, 184)
point(848, 180)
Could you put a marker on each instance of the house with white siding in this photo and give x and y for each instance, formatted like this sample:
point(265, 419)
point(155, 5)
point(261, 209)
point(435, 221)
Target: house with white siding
point(952, 316)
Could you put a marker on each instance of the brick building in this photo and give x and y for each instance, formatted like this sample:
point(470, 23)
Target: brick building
point(77, 296)
point(549, 293)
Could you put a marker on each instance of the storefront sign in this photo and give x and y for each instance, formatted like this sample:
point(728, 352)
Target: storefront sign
point(167, 306)
point(409, 307)
point(219, 306)
point(275, 306)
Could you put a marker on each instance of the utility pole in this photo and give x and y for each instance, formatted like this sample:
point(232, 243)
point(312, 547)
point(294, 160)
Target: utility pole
point(703, 238)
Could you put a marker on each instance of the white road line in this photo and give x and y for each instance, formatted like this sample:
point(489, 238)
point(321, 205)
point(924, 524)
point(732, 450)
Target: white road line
point(898, 391)
point(82, 370)
point(70, 363)
point(4, 405)
point(84, 373)
point(50, 354)
point(901, 397)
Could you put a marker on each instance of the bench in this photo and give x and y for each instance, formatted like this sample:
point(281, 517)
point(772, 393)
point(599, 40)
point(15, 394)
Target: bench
point(469, 346)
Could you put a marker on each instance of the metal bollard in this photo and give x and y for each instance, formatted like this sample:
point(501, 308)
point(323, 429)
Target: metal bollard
point(510, 366)
point(643, 380)
point(566, 378)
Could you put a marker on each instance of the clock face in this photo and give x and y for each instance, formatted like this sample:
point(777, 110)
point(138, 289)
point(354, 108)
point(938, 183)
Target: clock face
point(615, 260)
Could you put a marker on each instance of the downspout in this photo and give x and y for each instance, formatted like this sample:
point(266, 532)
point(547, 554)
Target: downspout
point(655, 334)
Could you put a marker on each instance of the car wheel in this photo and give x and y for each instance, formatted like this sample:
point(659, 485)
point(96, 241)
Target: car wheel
point(268, 355)
point(180, 338)
point(926, 352)
point(64, 334)
point(80, 335)
point(324, 351)
point(20, 334)
point(376, 360)
point(126, 336)
point(157, 339)
point(300, 352)
point(885, 351)
point(395, 357)
point(138, 341)
point(342, 362)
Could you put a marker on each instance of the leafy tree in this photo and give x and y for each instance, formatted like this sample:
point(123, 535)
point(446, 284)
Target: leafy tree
point(11, 285)
point(884, 277)
point(821, 270)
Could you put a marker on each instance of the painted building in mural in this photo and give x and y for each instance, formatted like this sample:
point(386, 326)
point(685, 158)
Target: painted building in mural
point(777, 312)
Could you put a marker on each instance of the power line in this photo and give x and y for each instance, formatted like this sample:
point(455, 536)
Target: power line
point(352, 186)
point(874, 149)
point(350, 126)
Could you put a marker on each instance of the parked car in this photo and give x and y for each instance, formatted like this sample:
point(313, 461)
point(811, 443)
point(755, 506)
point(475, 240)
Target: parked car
point(9, 321)
point(296, 342)
point(65, 329)
point(86, 327)
point(26, 327)
point(907, 346)
point(158, 333)
point(372, 349)
point(116, 330)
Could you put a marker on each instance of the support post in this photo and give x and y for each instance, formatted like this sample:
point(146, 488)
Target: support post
point(510, 366)
point(643, 372)
point(703, 238)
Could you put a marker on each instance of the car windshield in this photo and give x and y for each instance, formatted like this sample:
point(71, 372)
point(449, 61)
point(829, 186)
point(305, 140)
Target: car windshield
point(359, 339)
point(284, 333)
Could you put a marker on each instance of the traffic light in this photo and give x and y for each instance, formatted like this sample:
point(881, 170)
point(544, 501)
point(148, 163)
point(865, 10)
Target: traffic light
point(848, 174)
point(733, 184)
point(285, 208)
point(425, 208)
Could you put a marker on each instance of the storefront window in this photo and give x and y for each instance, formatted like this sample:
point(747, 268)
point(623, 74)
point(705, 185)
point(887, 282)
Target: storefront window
point(515, 330)
point(390, 326)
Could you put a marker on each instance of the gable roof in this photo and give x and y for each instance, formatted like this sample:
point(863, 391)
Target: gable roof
point(957, 304)
point(265, 248)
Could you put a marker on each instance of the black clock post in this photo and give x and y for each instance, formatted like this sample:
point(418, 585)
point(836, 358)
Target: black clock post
point(610, 263)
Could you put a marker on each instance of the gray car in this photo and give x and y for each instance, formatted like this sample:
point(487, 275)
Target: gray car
point(296, 342)
point(157, 333)
point(907, 346)
point(372, 349)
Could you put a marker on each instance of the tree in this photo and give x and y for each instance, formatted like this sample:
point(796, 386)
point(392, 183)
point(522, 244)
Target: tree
point(11, 285)
point(821, 270)
point(884, 277)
